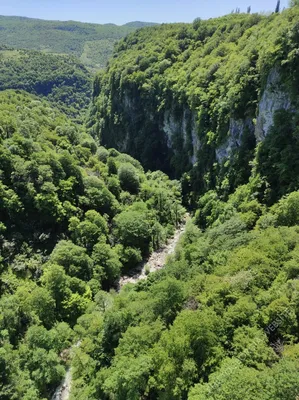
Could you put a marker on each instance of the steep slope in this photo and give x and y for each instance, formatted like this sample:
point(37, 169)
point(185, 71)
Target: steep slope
point(198, 97)
point(92, 43)
point(221, 319)
point(73, 218)
point(219, 322)
point(61, 79)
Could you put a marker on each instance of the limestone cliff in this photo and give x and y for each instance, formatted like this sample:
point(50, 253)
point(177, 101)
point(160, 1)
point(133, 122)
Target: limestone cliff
point(275, 97)
point(187, 97)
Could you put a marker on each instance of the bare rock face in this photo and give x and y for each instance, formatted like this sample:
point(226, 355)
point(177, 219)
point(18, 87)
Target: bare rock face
point(170, 127)
point(274, 98)
point(185, 126)
point(178, 128)
point(234, 139)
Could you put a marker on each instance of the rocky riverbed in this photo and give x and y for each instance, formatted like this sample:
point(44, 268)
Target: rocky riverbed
point(157, 259)
point(155, 262)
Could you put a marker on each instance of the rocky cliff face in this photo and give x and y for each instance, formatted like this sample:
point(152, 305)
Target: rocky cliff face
point(184, 127)
point(234, 138)
point(189, 98)
point(274, 98)
point(174, 133)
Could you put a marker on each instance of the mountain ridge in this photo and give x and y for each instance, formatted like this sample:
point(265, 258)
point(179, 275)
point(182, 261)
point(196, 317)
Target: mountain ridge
point(91, 43)
point(130, 23)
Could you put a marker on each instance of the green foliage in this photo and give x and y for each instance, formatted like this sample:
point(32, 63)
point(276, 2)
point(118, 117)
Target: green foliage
point(87, 232)
point(128, 178)
point(67, 230)
point(73, 258)
point(133, 229)
point(219, 321)
point(106, 262)
point(183, 94)
point(286, 210)
point(63, 80)
point(92, 43)
point(276, 158)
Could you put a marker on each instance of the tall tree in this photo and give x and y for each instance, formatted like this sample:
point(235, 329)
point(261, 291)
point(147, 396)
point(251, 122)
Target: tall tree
point(277, 9)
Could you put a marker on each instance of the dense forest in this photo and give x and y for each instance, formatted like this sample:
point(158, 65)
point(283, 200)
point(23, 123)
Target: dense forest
point(220, 321)
point(91, 43)
point(63, 80)
point(213, 105)
point(198, 95)
point(73, 217)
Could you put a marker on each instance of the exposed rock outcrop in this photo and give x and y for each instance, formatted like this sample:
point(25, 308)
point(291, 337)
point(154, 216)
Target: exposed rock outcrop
point(234, 139)
point(186, 127)
point(274, 98)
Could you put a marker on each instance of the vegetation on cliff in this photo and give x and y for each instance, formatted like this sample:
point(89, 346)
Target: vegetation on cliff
point(221, 319)
point(183, 92)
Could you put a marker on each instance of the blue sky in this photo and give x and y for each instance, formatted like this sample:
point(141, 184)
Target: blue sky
point(120, 11)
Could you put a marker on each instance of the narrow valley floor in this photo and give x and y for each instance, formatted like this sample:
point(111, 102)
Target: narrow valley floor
point(157, 259)
point(155, 262)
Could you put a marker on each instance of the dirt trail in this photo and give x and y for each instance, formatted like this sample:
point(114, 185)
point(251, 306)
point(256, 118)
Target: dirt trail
point(155, 262)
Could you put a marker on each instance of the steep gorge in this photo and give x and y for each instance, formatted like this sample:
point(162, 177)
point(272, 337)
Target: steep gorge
point(215, 103)
point(199, 97)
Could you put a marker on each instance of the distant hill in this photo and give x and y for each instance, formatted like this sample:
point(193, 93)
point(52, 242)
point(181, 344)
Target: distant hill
point(139, 24)
point(62, 79)
point(91, 43)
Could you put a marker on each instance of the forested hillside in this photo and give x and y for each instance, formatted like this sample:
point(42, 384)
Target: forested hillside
point(215, 105)
point(219, 322)
point(198, 97)
point(216, 102)
point(91, 43)
point(73, 217)
point(63, 80)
